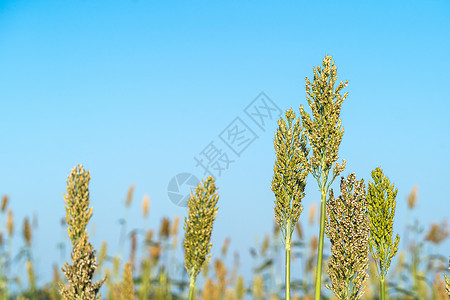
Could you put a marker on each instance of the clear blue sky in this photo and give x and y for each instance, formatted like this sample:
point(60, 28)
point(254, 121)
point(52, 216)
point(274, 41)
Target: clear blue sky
point(134, 90)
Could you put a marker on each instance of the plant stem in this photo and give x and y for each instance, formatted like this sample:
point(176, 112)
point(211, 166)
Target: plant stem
point(382, 288)
point(321, 237)
point(288, 261)
point(191, 288)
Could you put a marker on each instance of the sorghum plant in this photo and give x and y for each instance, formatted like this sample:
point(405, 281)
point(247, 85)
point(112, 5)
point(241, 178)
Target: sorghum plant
point(198, 227)
point(348, 230)
point(78, 213)
point(381, 204)
point(324, 134)
point(288, 184)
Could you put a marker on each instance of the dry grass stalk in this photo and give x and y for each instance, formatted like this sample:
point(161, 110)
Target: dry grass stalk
point(348, 230)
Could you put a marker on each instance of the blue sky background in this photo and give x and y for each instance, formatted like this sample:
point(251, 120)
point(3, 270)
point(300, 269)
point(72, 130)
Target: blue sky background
point(134, 90)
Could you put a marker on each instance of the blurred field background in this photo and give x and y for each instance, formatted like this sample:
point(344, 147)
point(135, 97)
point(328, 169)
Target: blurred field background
point(135, 91)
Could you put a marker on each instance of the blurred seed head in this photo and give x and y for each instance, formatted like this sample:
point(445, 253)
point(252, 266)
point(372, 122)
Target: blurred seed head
point(176, 222)
point(145, 205)
point(412, 198)
point(148, 237)
point(225, 246)
point(155, 252)
point(10, 223)
point(312, 213)
point(129, 196)
point(164, 230)
point(438, 233)
point(27, 231)
point(313, 244)
point(4, 202)
point(265, 245)
point(240, 288)
point(258, 287)
point(299, 230)
point(133, 247)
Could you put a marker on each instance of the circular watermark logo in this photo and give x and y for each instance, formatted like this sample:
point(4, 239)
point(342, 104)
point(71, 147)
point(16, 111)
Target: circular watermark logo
point(180, 187)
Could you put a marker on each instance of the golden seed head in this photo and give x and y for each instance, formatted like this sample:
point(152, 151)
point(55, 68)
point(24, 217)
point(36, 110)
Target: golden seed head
point(412, 198)
point(145, 205)
point(148, 237)
point(27, 232)
point(129, 196)
point(225, 246)
point(4, 202)
point(133, 246)
point(176, 222)
point(210, 290)
point(347, 228)
point(164, 230)
point(299, 230)
point(313, 244)
point(155, 252)
point(258, 287)
point(240, 288)
point(265, 245)
point(438, 233)
point(127, 290)
point(312, 213)
point(10, 223)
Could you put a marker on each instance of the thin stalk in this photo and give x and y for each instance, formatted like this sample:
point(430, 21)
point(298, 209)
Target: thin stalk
point(321, 237)
point(319, 257)
point(288, 261)
point(191, 288)
point(382, 289)
point(288, 273)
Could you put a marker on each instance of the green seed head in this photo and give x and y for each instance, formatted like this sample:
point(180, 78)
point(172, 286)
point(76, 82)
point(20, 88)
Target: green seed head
point(381, 203)
point(198, 226)
point(324, 130)
point(290, 172)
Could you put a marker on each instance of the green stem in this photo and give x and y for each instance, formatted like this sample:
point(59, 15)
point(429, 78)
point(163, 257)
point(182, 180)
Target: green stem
point(382, 289)
point(191, 288)
point(288, 264)
point(321, 236)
